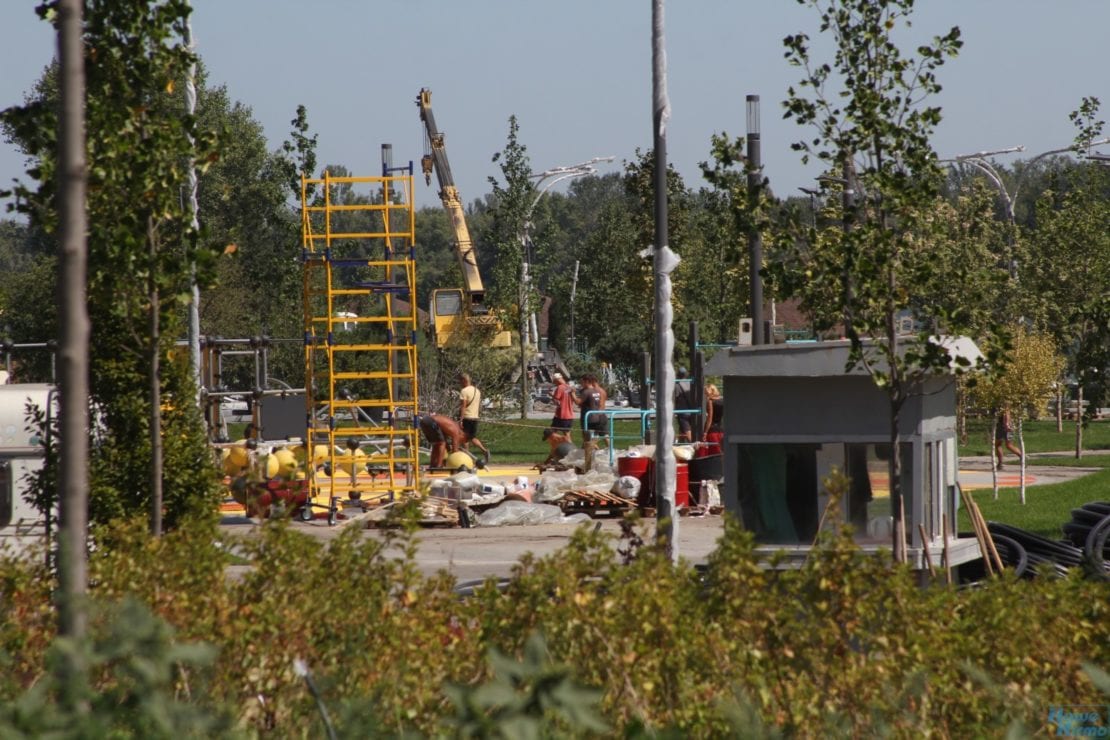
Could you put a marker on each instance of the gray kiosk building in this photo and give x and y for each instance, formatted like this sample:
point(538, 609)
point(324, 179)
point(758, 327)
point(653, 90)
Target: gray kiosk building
point(793, 414)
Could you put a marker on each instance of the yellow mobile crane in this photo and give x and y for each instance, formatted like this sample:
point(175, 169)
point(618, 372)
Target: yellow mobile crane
point(453, 309)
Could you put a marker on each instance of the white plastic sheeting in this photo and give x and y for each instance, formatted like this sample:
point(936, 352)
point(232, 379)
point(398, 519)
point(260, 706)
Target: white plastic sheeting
point(523, 513)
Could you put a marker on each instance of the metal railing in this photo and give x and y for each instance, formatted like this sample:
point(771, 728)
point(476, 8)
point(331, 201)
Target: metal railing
point(644, 416)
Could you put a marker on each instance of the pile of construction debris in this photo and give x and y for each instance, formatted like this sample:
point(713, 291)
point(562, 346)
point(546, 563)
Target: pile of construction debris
point(573, 490)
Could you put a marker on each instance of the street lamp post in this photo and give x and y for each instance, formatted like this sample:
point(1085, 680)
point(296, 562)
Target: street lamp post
point(529, 331)
point(980, 161)
point(553, 176)
point(812, 193)
point(755, 240)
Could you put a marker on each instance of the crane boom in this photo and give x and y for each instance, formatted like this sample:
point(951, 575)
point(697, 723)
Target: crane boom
point(436, 158)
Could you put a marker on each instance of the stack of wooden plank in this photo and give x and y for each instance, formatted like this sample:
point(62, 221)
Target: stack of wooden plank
point(434, 512)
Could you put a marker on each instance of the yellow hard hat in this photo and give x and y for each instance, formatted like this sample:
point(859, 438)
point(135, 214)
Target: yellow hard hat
point(459, 459)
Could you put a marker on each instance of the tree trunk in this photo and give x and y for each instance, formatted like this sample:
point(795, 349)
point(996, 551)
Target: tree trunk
point(1079, 421)
point(523, 303)
point(1059, 408)
point(155, 391)
point(897, 397)
point(898, 509)
point(961, 415)
point(992, 450)
point(74, 346)
point(1021, 463)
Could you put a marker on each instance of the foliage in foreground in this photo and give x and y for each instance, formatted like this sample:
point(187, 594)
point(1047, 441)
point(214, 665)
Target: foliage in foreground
point(847, 644)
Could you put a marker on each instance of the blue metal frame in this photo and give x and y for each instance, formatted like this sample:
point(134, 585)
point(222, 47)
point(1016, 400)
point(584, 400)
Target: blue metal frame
point(643, 414)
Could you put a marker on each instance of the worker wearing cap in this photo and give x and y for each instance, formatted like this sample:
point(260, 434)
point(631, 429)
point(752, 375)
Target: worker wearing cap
point(563, 397)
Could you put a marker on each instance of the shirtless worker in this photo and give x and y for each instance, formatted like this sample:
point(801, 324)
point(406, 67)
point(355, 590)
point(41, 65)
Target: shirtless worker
point(443, 434)
point(559, 443)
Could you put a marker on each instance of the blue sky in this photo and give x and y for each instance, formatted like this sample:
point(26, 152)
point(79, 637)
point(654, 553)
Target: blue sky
point(577, 74)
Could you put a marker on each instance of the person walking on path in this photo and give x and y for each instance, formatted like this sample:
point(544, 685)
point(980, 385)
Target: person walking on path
point(1002, 430)
point(470, 406)
point(563, 396)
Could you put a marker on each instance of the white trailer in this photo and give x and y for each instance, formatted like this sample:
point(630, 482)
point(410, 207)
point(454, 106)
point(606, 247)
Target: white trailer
point(21, 453)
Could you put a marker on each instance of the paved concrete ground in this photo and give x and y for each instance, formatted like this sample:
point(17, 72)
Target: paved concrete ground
point(480, 552)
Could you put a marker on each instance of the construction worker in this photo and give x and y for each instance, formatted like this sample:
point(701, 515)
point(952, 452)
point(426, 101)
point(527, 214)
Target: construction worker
point(563, 396)
point(470, 406)
point(443, 434)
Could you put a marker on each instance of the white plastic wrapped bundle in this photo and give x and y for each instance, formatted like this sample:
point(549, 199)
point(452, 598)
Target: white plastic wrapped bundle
point(553, 484)
point(627, 486)
point(523, 513)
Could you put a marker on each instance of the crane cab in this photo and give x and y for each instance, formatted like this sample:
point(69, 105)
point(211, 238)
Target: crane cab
point(448, 315)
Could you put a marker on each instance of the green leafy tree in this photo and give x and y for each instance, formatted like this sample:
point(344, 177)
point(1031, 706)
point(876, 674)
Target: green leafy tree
point(139, 146)
point(245, 201)
point(611, 314)
point(872, 134)
point(437, 266)
point(511, 208)
point(744, 209)
point(615, 288)
point(300, 153)
point(1022, 386)
point(1067, 267)
point(572, 224)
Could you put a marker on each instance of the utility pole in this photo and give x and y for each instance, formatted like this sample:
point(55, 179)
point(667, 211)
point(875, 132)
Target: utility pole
point(74, 348)
point(755, 239)
point(664, 262)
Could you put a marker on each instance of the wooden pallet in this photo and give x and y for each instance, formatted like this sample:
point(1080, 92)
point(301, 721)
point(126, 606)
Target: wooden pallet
point(594, 503)
point(434, 512)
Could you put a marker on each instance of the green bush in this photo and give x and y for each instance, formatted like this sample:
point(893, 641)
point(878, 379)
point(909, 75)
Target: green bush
point(848, 644)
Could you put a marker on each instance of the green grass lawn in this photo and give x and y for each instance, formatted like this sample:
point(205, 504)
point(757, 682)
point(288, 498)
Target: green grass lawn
point(1046, 508)
point(519, 441)
point(1040, 436)
point(1065, 459)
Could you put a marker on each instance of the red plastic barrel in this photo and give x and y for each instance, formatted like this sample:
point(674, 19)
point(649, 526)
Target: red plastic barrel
point(681, 486)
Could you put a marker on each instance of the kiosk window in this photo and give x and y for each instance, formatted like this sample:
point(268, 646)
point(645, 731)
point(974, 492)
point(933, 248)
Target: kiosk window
point(7, 492)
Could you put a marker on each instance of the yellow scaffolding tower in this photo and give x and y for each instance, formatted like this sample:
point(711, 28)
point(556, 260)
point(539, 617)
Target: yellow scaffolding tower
point(360, 319)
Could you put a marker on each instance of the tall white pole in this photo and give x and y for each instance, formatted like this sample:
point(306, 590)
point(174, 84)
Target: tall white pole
point(194, 302)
